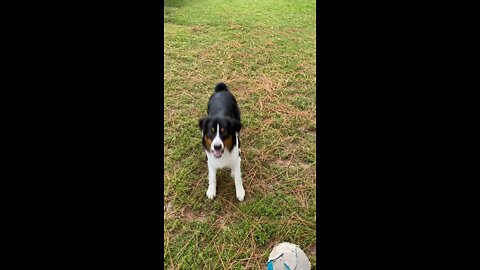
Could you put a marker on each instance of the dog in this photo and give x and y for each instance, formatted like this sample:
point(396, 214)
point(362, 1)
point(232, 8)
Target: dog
point(220, 138)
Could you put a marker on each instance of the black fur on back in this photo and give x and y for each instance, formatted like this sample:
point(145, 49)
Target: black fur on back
point(223, 104)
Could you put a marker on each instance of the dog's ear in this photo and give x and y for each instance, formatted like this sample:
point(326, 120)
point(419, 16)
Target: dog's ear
point(236, 125)
point(202, 123)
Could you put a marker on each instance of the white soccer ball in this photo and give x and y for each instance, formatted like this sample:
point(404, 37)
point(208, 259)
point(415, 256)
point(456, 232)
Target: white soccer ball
point(287, 256)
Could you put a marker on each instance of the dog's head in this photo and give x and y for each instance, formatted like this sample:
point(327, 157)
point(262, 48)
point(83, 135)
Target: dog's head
point(219, 133)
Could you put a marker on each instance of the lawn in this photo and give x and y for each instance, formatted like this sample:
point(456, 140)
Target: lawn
point(265, 52)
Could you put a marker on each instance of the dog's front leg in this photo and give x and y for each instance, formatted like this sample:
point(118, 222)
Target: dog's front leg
point(212, 182)
point(237, 176)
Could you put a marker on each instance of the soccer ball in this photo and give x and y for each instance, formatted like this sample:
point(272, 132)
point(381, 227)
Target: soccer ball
point(287, 256)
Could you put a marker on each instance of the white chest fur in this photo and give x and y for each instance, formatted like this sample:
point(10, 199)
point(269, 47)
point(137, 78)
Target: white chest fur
point(228, 159)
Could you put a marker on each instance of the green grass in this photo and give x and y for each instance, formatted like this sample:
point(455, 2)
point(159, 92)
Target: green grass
point(265, 51)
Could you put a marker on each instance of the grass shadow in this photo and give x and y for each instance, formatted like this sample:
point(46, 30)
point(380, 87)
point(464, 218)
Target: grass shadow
point(169, 6)
point(173, 3)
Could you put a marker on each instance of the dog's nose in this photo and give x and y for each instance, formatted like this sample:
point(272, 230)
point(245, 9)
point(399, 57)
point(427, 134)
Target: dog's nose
point(217, 147)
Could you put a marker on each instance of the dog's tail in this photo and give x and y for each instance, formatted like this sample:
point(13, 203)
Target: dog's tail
point(221, 87)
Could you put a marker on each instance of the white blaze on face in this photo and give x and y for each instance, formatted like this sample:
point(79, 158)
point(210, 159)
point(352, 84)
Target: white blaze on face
point(217, 141)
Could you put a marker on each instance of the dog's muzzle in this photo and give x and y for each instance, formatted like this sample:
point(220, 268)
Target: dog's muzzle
point(217, 151)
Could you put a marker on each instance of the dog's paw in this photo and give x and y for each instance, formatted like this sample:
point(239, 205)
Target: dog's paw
point(211, 192)
point(240, 193)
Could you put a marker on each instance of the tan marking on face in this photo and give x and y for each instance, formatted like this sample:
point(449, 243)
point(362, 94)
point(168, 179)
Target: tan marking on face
point(213, 129)
point(228, 142)
point(222, 129)
point(208, 142)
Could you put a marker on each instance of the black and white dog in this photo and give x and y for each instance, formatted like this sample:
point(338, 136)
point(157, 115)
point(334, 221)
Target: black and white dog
point(220, 138)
